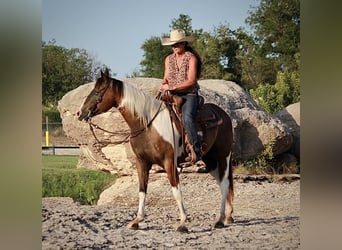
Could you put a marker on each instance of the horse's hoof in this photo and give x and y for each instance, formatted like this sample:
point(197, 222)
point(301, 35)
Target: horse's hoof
point(182, 229)
point(219, 224)
point(202, 170)
point(133, 226)
point(230, 220)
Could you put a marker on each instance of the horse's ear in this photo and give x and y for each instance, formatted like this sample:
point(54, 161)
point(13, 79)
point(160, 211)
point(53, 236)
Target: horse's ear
point(106, 72)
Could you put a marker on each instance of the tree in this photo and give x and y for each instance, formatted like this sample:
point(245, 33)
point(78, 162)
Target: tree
point(63, 70)
point(253, 67)
point(153, 63)
point(183, 22)
point(274, 49)
point(277, 28)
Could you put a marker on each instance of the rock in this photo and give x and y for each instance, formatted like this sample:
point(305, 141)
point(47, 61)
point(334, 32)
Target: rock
point(290, 116)
point(253, 128)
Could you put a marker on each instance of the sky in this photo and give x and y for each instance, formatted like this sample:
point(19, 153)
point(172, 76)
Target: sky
point(113, 31)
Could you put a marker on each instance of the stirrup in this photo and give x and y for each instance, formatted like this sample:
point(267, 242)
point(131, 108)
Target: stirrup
point(202, 167)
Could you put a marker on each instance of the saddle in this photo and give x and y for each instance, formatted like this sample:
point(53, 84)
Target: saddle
point(207, 121)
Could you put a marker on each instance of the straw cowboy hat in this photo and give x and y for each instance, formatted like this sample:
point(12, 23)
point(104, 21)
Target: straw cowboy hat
point(177, 36)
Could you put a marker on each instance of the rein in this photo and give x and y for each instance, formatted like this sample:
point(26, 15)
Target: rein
point(124, 133)
point(127, 135)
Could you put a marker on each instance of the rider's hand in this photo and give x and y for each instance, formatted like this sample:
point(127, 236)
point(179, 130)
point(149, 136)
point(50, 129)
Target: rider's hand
point(164, 87)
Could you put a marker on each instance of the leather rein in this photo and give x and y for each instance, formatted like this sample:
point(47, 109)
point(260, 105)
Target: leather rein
point(127, 135)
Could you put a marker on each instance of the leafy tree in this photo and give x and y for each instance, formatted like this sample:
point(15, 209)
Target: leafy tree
point(286, 90)
point(182, 22)
point(226, 46)
point(274, 49)
point(63, 70)
point(277, 28)
point(153, 63)
point(253, 67)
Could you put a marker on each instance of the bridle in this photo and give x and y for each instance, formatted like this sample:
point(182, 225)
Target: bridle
point(99, 95)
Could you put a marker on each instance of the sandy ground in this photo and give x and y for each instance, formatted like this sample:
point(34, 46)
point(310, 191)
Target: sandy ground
point(266, 214)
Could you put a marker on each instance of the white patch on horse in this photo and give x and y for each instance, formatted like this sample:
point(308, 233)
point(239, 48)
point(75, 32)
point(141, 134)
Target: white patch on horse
point(224, 186)
point(136, 101)
point(162, 124)
point(177, 194)
point(141, 210)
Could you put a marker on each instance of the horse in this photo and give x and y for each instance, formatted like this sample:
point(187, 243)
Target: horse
point(156, 138)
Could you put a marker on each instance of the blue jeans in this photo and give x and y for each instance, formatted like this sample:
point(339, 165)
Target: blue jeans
point(189, 114)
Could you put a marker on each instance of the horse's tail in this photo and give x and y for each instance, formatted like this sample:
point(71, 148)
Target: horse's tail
point(230, 196)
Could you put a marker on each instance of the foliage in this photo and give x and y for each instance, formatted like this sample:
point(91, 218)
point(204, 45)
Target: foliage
point(254, 68)
point(182, 22)
point(273, 98)
point(277, 28)
point(153, 63)
point(266, 155)
point(266, 163)
point(63, 70)
point(52, 113)
point(218, 53)
point(62, 179)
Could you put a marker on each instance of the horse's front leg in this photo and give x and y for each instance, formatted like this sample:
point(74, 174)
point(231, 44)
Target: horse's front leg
point(173, 177)
point(143, 174)
point(177, 193)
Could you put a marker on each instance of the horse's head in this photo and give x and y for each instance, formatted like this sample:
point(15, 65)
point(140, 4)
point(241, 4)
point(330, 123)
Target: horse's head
point(107, 93)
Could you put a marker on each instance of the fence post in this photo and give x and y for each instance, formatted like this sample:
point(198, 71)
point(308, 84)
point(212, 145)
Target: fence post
point(47, 131)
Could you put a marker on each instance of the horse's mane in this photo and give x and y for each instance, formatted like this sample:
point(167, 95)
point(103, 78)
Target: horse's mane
point(138, 102)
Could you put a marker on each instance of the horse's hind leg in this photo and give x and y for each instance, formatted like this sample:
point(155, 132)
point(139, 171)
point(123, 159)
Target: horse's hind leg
point(143, 174)
point(226, 188)
point(230, 195)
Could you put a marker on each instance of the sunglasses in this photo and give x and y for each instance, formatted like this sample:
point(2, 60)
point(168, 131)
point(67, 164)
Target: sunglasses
point(176, 45)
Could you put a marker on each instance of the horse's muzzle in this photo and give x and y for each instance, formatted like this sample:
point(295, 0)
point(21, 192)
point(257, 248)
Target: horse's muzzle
point(82, 115)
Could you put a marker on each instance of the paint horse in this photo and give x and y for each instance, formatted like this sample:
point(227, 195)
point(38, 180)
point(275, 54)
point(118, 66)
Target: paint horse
point(156, 139)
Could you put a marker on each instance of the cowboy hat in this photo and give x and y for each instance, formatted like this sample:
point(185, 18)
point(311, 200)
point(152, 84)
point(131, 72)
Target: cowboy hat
point(177, 36)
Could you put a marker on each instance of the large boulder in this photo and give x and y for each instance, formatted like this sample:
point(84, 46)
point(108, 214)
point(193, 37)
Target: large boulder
point(253, 128)
point(290, 116)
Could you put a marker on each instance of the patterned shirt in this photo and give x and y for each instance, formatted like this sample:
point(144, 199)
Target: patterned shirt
point(179, 75)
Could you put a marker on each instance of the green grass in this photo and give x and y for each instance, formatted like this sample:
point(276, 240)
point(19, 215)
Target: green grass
point(61, 178)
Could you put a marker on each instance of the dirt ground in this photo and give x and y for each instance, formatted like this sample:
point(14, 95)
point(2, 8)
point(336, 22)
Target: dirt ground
point(266, 213)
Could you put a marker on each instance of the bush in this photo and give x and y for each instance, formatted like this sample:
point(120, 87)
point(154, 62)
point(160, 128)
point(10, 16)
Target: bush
point(273, 98)
point(62, 179)
point(266, 163)
point(52, 113)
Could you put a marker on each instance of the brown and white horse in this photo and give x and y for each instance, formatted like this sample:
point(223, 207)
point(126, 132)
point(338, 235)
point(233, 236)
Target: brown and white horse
point(156, 139)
